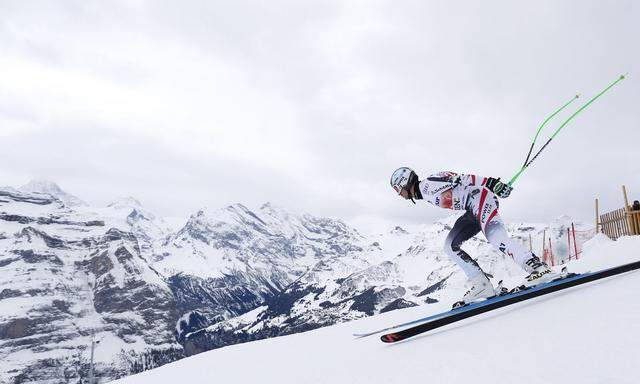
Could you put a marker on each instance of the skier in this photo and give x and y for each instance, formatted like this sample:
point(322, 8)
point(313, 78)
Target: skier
point(477, 196)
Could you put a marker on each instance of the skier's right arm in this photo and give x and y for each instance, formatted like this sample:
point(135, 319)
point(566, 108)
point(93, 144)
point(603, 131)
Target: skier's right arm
point(501, 189)
point(496, 186)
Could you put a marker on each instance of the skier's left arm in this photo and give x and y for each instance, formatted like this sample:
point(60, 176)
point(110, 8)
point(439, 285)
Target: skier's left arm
point(458, 179)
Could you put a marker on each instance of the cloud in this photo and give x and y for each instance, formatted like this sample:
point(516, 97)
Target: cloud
point(313, 104)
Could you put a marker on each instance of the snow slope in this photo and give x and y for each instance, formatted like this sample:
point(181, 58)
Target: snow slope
point(587, 334)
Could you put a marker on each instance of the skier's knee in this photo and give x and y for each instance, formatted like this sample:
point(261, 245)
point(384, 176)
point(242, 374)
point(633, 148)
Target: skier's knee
point(451, 247)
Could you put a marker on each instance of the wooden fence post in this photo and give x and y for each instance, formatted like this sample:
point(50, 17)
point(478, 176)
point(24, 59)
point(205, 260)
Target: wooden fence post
point(620, 222)
point(635, 220)
point(575, 245)
point(627, 211)
point(597, 215)
point(568, 243)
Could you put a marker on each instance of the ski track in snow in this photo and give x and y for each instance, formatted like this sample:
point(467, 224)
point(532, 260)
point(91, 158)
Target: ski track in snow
point(587, 334)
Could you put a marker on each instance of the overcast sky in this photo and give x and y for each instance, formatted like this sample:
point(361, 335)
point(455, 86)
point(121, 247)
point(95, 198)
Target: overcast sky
point(312, 105)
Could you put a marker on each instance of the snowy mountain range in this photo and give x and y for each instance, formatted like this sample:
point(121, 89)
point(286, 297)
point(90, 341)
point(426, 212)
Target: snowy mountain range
point(151, 293)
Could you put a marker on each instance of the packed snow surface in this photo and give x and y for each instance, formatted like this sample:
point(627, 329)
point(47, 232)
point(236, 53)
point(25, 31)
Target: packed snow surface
point(586, 334)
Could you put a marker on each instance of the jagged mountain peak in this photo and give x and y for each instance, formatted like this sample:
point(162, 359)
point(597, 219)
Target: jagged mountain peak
point(276, 214)
point(136, 215)
point(268, 215)
point(398, 230)
point(237, 213)
point(48, 187)
point(133, 209)
point(267, 205)
point(236, 207)
point(209, 225)
point(271, 208)
point(126, 202)
point(42, 186)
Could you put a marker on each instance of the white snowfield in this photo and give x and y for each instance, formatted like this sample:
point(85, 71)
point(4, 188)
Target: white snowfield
point(586, 334)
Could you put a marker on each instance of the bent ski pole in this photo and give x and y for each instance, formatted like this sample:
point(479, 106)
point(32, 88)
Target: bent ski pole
point(535, 138)
point(527, 164)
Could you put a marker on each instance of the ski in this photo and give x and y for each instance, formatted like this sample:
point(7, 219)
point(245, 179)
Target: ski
point(474, 309)
point(462, 308)
point(421, 320)
point(432, 317)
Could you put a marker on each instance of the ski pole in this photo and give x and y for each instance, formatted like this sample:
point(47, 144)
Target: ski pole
point(527, 164)
point(535, 138)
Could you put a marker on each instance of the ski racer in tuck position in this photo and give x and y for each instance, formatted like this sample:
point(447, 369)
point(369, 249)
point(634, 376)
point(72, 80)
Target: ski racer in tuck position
point(478, 197)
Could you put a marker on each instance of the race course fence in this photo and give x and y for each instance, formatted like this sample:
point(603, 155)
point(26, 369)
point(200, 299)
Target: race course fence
point(619, 222)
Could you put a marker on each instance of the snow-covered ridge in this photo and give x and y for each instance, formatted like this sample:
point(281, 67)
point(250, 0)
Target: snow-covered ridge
point(121, 273)
point(154, 291)
point(46, 187)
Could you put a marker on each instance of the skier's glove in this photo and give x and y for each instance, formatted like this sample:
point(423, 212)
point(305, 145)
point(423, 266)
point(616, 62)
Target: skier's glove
point(496, 186)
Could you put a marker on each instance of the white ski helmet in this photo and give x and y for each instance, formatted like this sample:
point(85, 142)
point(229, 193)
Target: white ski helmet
point(402, 178)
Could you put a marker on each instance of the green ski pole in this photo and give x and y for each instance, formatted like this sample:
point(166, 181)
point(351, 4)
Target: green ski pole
point(535, 138)
point(527, 164)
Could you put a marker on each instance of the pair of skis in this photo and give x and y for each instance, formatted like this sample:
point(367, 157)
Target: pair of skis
point(432, 322)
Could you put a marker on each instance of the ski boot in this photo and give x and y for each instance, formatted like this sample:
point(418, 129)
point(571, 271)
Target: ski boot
point(480, 287)
point(501, 290)
point(540, 273)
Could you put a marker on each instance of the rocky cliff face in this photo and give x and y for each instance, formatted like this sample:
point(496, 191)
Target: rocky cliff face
point(66, 274)
point(224, 263)
point(118, 274)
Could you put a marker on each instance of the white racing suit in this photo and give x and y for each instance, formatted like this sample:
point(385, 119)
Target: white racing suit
point(467, 192)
